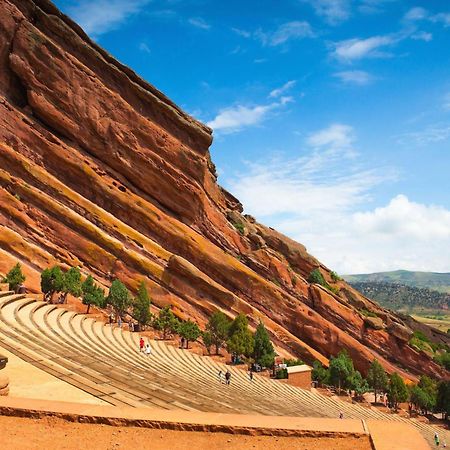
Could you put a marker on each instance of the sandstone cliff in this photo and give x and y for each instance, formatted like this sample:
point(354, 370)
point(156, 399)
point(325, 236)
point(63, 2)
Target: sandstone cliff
point(99, 169)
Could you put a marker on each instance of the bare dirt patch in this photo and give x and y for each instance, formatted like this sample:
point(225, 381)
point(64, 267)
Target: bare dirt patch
point(32, 434)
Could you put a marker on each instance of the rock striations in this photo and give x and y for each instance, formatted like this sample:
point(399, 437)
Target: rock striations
point(99, 169)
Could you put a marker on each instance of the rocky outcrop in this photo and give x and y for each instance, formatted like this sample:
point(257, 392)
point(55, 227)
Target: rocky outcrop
point(99, 169)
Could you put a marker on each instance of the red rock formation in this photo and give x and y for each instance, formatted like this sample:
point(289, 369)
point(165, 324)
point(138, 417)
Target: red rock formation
point(99, 169)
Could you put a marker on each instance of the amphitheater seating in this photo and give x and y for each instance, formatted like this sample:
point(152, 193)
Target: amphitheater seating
point(105, 361)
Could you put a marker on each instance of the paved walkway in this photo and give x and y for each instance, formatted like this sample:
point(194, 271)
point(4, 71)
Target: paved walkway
point(27, 381)
point(384, 435)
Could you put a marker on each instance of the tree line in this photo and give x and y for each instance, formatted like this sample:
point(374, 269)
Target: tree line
point(235, 335)
point(426, 396)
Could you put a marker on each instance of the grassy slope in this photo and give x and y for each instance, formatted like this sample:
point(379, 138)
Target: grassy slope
point(431, 280)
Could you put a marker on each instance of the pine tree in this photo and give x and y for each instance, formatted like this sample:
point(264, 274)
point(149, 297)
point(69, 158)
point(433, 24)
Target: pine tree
point(218, 327)
point(189, 330)
point(166, 322)
point(141, 306)
point(240, 339)
point(397, 391)
point(341, 370)
point(52, 281)
point(72, 283)
point(263, 352)
point(92, 294)
point(443, 398)
point(377, 378)
point(119, 297)
point(14, 277)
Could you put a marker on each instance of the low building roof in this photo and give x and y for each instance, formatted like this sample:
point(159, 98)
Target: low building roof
point(298, 369)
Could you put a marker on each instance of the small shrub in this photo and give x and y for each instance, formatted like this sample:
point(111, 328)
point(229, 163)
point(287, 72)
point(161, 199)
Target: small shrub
point(293, 362)
point(335, 277)
point(316, 277)
point(281, 374)
point(368, 313)
point(240, 227)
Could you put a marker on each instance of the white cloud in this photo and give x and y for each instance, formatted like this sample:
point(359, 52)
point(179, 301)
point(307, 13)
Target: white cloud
point(322, 199)
point(243, 33)
point(285, 32)
point(336, 136)
point(288, 31)
point(235, 118)
point(446, 103)
point(415, 14)
point(353, 49)
point(98, 17)
point(373, 6)
point(443, 18)
point(422, 36)
point(430, 135)
point(199, 23)
point(281, 90)
point(143, 47)
point(359, 77)
point(333, 11)
point(424, 223)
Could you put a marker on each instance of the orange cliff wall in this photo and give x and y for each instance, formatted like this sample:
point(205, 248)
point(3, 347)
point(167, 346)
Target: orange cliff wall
point(101, 170)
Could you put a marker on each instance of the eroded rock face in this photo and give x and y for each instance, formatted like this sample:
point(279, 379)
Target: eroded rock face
point(99, 169)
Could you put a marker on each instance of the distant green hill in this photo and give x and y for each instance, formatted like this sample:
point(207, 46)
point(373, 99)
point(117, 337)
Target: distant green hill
point(400, 297)
point(430, 280)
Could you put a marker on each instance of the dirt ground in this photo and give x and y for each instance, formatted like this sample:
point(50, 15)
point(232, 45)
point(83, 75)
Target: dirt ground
point(51, 433)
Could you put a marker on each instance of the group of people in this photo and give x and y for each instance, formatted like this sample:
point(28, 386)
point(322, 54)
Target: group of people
point(224, 377)
point(131, 325)
point(144, 348)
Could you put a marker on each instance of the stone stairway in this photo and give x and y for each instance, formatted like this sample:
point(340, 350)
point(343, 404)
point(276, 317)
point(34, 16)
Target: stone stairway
point(105, 362)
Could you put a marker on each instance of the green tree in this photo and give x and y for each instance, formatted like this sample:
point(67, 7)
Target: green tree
point(92, 294)
point(119, 297)
point(358, 383)
point(397, 390)
point(430, 388)
point(207, 341)
point(335, 277)
point(218, 327)
point(166, 322)
point(141, 306)
point(341, 370)
point(189, 330)
point(240, 339)
point(316, 277)
point(52, 281)
point(263, 352)
point(320, 373)
point(443, 398)
point(14, 278)
point(72, 283)
point(377, 378)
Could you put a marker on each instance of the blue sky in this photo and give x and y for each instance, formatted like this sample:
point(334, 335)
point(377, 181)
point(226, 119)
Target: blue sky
point(331, 118)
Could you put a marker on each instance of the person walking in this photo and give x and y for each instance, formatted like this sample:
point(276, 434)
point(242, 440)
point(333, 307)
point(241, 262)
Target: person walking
point(119, 322)
point(436, 439)
point(182, 342)
point(341, 415)
point(141, 344)
point(228, 377)
point(148, 349)
point(111, 319)
point(219, 375)
point(250, 375)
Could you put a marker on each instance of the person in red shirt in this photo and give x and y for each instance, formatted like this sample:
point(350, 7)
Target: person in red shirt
point(141, 344)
